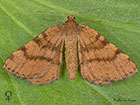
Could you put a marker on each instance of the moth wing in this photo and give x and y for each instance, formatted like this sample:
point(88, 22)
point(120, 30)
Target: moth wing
point(100, 61)
point(38, 61)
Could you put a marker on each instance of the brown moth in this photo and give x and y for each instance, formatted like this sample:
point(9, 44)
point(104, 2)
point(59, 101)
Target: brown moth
point(39, 61)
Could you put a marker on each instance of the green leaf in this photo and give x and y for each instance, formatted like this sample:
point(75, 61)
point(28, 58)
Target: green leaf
point(20, 22)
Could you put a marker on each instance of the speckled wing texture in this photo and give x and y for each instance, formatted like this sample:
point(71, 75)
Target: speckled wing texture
point(100, 61)
point(39, 61)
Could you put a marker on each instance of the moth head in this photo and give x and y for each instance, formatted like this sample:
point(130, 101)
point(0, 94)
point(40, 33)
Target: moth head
point(71, 17)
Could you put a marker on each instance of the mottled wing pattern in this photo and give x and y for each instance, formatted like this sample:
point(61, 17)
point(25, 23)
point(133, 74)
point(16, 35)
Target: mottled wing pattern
point(38, 61)
point(100, 61)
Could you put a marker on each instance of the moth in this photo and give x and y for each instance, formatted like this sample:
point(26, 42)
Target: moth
point(39, 61)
